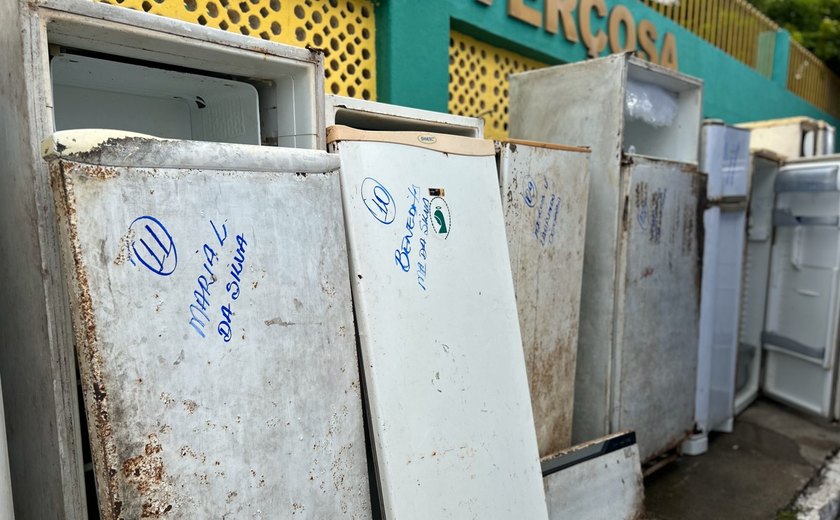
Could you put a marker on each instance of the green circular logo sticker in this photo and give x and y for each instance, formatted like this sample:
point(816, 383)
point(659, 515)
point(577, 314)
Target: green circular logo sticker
point(441, 217)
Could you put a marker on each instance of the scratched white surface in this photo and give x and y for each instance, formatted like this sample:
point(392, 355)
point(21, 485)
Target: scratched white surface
point(544, 192)
point(448, 392)
point(266, 425)
point(658, 310)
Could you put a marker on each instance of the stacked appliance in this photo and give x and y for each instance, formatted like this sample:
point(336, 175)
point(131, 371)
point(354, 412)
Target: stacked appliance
point(639, 305)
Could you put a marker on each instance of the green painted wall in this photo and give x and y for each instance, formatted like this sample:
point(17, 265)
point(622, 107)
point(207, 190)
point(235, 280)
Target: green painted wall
point(413, 56)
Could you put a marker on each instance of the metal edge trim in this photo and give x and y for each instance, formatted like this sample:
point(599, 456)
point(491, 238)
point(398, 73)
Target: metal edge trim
point(453, 144)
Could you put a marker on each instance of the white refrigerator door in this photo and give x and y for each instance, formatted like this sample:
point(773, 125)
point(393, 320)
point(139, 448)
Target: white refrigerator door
point(544, 191)
point(447, 390)
point(800, 334)
point(756, 275)
point(658, 311)
point(214, 327)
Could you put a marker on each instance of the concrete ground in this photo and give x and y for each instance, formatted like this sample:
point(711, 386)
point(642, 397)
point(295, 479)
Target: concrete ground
point(755, 472)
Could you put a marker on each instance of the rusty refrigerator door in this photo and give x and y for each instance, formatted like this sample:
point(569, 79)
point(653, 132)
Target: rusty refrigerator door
point(211, 304)
point(658, 303)
point(445, 377)
point(544, 192)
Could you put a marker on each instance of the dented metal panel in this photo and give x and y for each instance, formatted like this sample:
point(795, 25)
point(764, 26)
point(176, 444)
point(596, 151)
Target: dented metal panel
point(450, 413)
point(214, 331)
point(544, 192)
point(658, 304)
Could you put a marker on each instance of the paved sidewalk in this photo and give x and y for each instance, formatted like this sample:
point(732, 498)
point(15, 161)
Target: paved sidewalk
point(756, 472)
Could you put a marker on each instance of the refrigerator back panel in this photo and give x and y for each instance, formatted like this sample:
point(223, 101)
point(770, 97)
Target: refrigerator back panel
point(544, 191)
point(755, 278)
point(445, 376)
point(658, 307)
point(208, 304)
point(800, 333)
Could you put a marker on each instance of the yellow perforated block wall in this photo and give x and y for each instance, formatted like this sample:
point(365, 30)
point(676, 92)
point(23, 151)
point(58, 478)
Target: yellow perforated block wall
point(343, 28)
point(478, 81)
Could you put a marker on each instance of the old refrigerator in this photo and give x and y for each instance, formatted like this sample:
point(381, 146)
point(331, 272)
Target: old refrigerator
point(640, 262)
point(801, 323)
point(451, 422)
point(724, 158)
point(792, 137)
point(544, 193)
point(72, 64)
point(210, 295)
point(759, 239)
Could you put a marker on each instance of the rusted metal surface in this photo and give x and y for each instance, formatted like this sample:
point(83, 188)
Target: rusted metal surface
point(657, 308)
point(544, 192)
point(198, 405)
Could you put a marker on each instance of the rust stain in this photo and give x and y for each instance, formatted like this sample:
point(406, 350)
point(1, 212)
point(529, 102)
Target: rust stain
point(125, 247)
point(190, 406)
point(146, 473)
point(91, 365)
point(647, 272)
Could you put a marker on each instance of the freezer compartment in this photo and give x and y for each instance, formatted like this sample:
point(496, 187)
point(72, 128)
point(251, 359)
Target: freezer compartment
point(371, 115)
point(202, 325)
point(544, 191)
point(98, 93)
point(596, 480)
point(662, 112)
point(201, 87)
